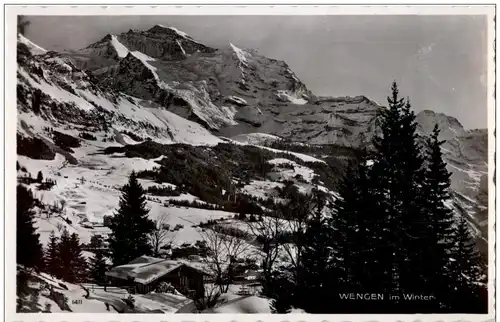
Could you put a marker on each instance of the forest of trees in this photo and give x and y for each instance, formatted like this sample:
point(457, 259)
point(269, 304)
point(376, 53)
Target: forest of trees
point(389, 235)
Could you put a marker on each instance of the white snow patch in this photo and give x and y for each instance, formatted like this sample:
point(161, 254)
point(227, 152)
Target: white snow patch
point(256, 138)
point(55, 92)
point(179, 32)
point(180, 46)
point(241, 54)
point(251, 304)
point(34, 48)
point(59, 61)
point(280, 161)
point(181, 130)
point(262, 189)
point(237, 100)
point(201, 104)
point(303, 157)
point(121, 50)
point(280, 174)
point(291, 97)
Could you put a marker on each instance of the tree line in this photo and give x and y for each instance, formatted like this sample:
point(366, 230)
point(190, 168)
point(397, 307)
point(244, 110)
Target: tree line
point(389, 235)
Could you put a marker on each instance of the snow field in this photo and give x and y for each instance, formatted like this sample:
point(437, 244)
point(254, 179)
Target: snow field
point(77, 302)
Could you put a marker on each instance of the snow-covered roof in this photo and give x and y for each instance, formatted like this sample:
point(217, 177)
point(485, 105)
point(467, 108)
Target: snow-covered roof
point(146, 269)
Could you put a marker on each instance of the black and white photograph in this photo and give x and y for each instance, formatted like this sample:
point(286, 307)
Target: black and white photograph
point(251, 163)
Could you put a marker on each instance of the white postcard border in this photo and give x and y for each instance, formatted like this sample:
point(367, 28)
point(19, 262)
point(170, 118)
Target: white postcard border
point(11, 11)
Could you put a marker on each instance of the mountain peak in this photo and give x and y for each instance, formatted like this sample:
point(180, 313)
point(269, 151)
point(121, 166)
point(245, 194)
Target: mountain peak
point(449, 126)
point(169, 30)
point(241, 54)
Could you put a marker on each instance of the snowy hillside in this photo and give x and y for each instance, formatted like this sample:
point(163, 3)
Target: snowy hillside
point(52, 295)
point(158, 84)
point(217, 137)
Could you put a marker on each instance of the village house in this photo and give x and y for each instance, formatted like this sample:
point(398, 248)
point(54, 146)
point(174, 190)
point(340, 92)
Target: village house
point(144, 274)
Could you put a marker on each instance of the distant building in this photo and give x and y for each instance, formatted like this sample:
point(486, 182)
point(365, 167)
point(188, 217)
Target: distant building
point(249, 275)
point(144, 274)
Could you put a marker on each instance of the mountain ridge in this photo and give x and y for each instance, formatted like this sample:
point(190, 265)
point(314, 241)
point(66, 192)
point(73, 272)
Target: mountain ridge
point(179, 94)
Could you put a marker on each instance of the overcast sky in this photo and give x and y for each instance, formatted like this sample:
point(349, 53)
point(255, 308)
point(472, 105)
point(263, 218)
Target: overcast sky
point(440, 62)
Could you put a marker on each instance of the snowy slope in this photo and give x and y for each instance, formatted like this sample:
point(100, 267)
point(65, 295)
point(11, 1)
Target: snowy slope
point(73, 89)
point(162, 85)
point(43, 284)
point(34, 48)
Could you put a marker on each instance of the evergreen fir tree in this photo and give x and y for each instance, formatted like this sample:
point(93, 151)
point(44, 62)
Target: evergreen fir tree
point(30, 251)
point(437, 246)
point(467, 287)
point(313, 278)
point(130, 226)
point(39, 177)
point(98, 266)
point(51, 255)
point(78, 263)
point(64, 255)
point(397, 176)
point(282, 291)
point(357, 232)
point(390, 233)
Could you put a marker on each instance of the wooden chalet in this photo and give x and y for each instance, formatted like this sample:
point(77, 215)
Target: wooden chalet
point(144, 274)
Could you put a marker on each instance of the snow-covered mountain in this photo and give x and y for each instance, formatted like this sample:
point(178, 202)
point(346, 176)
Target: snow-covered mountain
point(130, 100)
point(466, 153)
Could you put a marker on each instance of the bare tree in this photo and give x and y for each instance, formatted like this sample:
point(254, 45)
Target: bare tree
point(209, 299)
point(160, 235)
point(224, 250)
point(284, 231)
point(267, 232)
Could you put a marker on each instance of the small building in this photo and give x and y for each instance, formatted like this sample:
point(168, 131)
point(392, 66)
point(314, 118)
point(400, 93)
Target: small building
point(144, 274)
point(249, 275)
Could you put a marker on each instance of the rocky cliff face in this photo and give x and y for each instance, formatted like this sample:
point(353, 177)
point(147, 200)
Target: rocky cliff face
point(230, 90)
point(53, 92)
point(163, 85)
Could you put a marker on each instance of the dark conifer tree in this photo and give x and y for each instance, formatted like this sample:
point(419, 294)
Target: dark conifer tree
point(130, 226)
point(389, 233)
point(397, 176)
point(39, 177)
point(313, 282)
point(78, 263)
point(98, 266)
point(467, 291)
point(64, 255)
point(29, 251)
point(282, 290)
point(72, 264)
point(386, 176)
point(52, 261)
point(437, 245)
point(357, 237)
